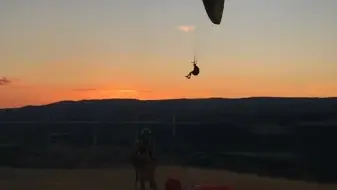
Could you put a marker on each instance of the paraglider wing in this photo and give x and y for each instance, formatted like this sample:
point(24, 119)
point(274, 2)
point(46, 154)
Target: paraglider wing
point(214, 10)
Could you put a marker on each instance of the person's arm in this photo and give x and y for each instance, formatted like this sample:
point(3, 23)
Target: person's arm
point(154, 149)
point(135, 148)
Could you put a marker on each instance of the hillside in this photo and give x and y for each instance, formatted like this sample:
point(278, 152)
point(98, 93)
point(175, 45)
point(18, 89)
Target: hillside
point(205, 110)
point(293, 138)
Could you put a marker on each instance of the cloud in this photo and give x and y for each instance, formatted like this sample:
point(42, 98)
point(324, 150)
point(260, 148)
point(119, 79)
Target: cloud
point(84, 89)
point(186, 28)
point(5, 81)
point(128, 91)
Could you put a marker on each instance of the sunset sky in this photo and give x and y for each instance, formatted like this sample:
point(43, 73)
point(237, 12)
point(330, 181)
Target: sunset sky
point(95, 49)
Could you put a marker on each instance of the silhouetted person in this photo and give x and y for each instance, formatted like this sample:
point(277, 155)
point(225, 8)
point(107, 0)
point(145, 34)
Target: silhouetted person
point(145, 144)
point(144, 159)
point(195, 71)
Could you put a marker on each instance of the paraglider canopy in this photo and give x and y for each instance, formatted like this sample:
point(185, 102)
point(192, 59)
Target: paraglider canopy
point(214, 10)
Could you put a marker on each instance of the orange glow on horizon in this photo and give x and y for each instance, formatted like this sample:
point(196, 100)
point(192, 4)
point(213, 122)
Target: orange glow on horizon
point(38, 95)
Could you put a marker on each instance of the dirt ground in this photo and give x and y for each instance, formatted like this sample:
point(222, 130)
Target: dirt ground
point(123, 179)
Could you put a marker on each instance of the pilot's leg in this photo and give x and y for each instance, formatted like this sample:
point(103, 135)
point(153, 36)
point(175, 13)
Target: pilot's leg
point(189, 75)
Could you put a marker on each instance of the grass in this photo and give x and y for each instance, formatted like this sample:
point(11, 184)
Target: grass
point(123, 179)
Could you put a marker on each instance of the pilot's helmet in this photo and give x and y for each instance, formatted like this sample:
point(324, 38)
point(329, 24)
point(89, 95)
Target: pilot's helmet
point(146, 133)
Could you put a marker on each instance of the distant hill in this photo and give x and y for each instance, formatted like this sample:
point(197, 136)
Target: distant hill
point(206, 110)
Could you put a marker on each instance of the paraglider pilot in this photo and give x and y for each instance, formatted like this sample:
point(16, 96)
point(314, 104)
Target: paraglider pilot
point(195, 70)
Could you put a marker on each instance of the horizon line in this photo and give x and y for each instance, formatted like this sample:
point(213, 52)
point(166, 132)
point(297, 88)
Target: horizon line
point(173, 99)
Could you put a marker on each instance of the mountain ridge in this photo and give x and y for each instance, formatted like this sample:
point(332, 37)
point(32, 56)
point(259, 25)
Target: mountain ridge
point(215, 108)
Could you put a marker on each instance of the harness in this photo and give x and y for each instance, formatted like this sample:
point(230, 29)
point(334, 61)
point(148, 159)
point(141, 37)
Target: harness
point(195, 70)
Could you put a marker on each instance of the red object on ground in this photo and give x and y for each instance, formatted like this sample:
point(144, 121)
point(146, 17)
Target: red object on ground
point(211, 187)
point(173, 184)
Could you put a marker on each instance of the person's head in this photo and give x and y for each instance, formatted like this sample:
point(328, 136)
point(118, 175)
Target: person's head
point(145, 136)
point(146, 132)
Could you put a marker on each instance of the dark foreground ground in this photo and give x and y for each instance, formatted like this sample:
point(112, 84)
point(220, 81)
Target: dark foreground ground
point(274, 155)
point(123, 179)
point(293, 138)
